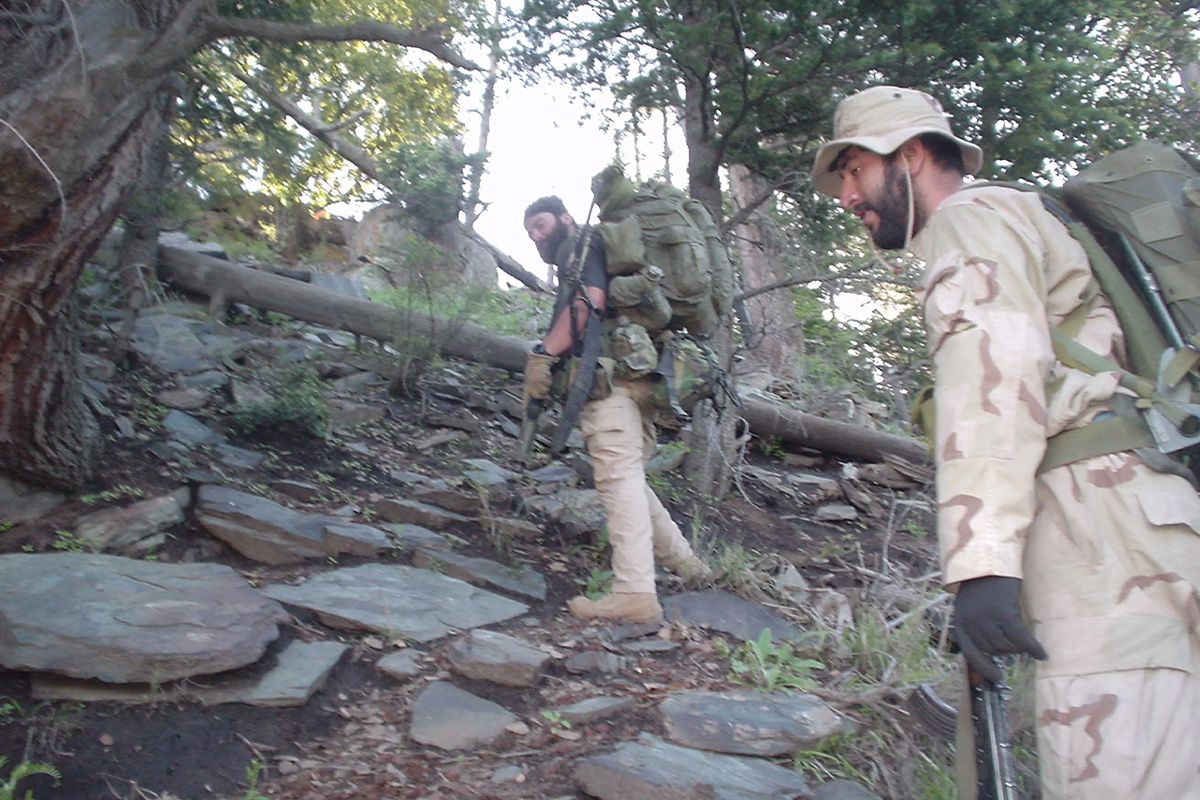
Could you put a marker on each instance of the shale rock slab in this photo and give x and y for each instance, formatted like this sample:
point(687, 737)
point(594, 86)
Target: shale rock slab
point(127, 621)
point(652, 768)
point(398, 600)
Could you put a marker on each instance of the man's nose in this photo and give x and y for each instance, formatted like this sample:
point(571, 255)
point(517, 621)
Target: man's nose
point(848, 196)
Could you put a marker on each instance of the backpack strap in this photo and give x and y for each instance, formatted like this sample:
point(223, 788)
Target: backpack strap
point(1111, 432)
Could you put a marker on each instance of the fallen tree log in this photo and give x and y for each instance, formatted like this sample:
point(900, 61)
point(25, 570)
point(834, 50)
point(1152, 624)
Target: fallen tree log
point(771, 419)
point(229, 282)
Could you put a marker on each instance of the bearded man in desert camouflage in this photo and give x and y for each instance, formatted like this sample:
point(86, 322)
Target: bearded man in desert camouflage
point(1090, 566)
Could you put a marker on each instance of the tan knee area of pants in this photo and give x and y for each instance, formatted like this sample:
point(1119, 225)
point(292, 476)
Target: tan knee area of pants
point(612, 429)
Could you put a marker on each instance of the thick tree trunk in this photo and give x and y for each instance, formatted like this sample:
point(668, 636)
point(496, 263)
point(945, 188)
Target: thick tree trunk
point(774, 340)
point(74, 134)
point(214, 277)
point(82, 90)
point(709, 464)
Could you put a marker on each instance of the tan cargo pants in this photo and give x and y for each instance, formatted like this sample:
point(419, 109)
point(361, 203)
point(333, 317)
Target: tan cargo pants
point(619, 437)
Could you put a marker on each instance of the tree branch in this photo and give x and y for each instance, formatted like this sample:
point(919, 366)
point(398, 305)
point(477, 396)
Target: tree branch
point(431, 39)
point(793, 280)
point(318, 128)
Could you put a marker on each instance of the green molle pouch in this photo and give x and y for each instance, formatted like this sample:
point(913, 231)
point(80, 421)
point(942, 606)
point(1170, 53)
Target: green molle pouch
point(601, 388)
point(633, 351)
point(688, 372)
point(624, 251)
point(640, 298)
point(1191, 206)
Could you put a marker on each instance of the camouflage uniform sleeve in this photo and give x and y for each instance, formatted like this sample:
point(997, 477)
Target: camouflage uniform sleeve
point(985, 319)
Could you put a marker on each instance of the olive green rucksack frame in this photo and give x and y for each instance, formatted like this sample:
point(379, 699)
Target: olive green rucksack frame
point(669, 268)
point(1136, 212)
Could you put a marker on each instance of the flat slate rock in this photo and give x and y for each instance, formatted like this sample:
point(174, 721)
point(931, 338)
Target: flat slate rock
point(266, 531)
point(728, 613)
point(398, 600)
point(410, 537)
point(750, 723)
point(497, 657)
point(651, 768)
point(127, 621)
point(454, 719)
point(521, 580)
point(301, 670)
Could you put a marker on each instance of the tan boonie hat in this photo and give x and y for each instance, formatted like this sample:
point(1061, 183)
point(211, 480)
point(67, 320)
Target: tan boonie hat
point(880, 119)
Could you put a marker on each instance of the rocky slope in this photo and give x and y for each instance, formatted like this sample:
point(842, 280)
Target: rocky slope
point(248, 610)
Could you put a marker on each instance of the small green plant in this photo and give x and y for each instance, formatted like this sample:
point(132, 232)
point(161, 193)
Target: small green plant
point(827, 760)
point(71, 542)
point(6, 526)
point(555, 720)
point(773, 447)
point(735, 566)
point(765, 664)
point(23, 770)
point(297, 403)
point(935, 782)
point(890, 651)
point(10, 710)
point(253, 771)
point(662, 486)
point(109, 495)
point(597, 583)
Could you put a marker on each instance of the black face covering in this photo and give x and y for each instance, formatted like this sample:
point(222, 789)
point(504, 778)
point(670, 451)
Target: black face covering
point(548, 248)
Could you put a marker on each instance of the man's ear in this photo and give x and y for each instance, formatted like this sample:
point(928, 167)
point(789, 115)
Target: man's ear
point(566, 219)
point(915, 155)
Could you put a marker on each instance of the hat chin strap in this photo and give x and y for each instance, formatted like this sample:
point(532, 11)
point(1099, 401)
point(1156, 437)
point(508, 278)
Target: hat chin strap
point(912, 216)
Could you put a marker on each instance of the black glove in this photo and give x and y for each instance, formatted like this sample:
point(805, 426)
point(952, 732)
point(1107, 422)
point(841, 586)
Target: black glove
point(987, 622)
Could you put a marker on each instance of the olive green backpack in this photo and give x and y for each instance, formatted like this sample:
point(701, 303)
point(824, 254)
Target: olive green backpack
point(1136, 212)
point(670, 284)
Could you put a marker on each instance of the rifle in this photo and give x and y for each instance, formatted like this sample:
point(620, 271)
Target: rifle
point(581, 386)
point(533, 409)
point(585, 376)
point(995, 764)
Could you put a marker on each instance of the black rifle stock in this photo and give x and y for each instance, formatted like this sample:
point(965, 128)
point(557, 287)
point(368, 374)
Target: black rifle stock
point(995, 763)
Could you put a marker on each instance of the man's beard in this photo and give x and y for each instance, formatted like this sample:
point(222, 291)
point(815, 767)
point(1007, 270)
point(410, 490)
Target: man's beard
point(548, 248)
point(892, 232)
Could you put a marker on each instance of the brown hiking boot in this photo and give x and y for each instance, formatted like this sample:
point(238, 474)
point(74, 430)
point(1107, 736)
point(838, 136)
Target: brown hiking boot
point(632, 606)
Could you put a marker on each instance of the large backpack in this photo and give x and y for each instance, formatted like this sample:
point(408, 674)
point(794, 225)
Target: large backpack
point(1137, 214)
point(669, 267)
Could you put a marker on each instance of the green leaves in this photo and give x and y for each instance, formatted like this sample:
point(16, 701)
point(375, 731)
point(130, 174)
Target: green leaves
point(772, 666)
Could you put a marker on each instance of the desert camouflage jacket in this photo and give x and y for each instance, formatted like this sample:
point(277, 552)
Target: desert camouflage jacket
point(1000, 274)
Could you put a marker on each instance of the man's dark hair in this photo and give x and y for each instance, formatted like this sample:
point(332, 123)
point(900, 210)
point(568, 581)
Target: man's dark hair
point(945, 153)
point(552, 204)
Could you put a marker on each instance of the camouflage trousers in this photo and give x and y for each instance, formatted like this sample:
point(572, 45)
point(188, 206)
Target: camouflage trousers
point(1112, 570)
point(619, 437)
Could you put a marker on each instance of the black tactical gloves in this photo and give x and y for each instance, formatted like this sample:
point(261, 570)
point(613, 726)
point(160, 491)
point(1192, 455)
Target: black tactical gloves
point(987, 622)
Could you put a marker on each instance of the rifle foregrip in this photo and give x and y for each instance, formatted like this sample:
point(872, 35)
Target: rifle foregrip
point(995, 762)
